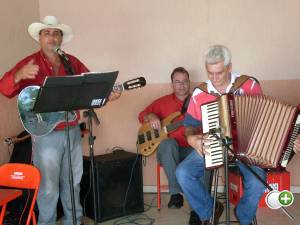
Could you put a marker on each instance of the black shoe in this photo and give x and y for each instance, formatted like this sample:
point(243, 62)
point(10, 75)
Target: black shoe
point(176, 201)
point(194, 219)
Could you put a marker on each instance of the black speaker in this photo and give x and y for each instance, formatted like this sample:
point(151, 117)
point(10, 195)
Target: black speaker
point(119, 185)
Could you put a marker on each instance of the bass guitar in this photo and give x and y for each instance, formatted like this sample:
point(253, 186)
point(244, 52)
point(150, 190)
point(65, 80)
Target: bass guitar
point(149, 138)
point(40, 124)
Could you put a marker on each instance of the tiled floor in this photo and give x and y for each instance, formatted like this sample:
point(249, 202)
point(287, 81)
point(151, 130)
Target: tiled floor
point(165, 216)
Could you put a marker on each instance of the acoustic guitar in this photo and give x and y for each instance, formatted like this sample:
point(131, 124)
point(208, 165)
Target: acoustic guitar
point(149, 138)
point(40, 124)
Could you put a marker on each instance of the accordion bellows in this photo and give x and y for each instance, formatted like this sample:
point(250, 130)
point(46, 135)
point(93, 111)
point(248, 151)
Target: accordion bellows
point(262, 128)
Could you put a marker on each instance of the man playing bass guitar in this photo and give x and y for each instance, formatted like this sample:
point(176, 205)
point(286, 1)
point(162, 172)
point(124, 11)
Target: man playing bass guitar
point(171, 151)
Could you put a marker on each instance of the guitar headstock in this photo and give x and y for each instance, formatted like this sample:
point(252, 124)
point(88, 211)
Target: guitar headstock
point(134, 83)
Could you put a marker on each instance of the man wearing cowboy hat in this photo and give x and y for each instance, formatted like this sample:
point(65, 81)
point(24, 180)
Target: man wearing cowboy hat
point(49, 151)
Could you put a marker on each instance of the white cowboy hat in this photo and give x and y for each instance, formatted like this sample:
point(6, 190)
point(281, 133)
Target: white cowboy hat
point(50, 22)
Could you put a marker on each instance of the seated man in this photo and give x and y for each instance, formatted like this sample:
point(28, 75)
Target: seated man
point(174, 149)
point(220, 81)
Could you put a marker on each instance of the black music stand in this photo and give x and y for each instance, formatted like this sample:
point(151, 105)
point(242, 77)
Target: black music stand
point(68, 93)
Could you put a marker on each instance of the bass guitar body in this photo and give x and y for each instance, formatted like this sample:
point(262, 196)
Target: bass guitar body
point(149, 138)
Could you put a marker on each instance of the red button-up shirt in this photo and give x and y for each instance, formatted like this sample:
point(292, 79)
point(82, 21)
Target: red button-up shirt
point(10, 89)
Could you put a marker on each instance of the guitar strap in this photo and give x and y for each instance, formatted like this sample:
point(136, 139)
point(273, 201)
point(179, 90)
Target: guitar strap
point(236, 85)
point(203, 87)
point(239, 82)
point(185, 104)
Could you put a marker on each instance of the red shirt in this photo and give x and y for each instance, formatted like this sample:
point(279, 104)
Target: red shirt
point(250, 87)
point(10, 89)
point(163, 107)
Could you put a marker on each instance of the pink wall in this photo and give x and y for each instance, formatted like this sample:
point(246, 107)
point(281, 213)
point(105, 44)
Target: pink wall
point(15, 44)
point(150, 38)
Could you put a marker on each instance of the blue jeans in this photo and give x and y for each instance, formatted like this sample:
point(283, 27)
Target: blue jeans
point(192, 168)
point(50, 155)
point(169, 155)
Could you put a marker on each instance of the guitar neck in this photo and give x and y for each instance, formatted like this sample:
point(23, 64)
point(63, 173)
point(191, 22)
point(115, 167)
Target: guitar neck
point(118, 87)
point(173, 126)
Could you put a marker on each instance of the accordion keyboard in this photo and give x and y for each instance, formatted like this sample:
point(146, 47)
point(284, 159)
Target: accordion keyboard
point(288, 154)
point(210, 120)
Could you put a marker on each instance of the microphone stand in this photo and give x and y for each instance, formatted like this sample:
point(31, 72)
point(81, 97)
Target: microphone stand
point(226, 142)
point(71, 182)
point(67, 65)
point(91, 114)
point(70, 71)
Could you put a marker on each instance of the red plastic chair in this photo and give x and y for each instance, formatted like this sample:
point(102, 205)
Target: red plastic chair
point(22, 176)
point(158, 186)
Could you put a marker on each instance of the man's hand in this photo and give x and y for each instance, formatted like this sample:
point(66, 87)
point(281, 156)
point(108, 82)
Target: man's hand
point(199, 142)
point(297, 144)
point(153, 120)
point(28, 71)
point(114, 95)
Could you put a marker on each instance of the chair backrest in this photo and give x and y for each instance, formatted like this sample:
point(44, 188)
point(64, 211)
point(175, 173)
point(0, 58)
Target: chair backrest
point(20, 175)
point(25, 176)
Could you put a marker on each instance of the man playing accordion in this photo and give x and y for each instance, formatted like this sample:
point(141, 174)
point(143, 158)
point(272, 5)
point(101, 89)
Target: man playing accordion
point(221, 81)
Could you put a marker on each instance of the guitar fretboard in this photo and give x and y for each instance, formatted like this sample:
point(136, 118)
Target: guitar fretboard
point(174, 126)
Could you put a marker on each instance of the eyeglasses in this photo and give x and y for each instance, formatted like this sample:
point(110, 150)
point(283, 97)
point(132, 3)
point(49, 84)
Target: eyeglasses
point(179, 83)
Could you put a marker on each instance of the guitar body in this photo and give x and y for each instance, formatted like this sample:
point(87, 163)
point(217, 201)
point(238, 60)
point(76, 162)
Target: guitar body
point(149, 138)
point(38, 124)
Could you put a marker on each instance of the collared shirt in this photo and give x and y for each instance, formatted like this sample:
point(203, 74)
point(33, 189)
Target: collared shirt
point(193, 116)
point(163, 107)
point(10, 89)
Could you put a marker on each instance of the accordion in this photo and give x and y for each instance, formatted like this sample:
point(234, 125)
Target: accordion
point(263, 130)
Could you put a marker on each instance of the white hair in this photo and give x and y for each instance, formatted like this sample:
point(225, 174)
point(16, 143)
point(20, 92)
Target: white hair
point(217, 53)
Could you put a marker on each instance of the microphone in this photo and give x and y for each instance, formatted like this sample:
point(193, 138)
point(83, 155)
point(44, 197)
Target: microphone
point(62, 55)
point(224, 141)
point(65, 60)
point(95, 117)
point(218, 130)
point(91, 113)
point(227, 141)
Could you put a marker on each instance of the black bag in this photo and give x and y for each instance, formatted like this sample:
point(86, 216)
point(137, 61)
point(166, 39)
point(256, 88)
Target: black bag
point(22, 151)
